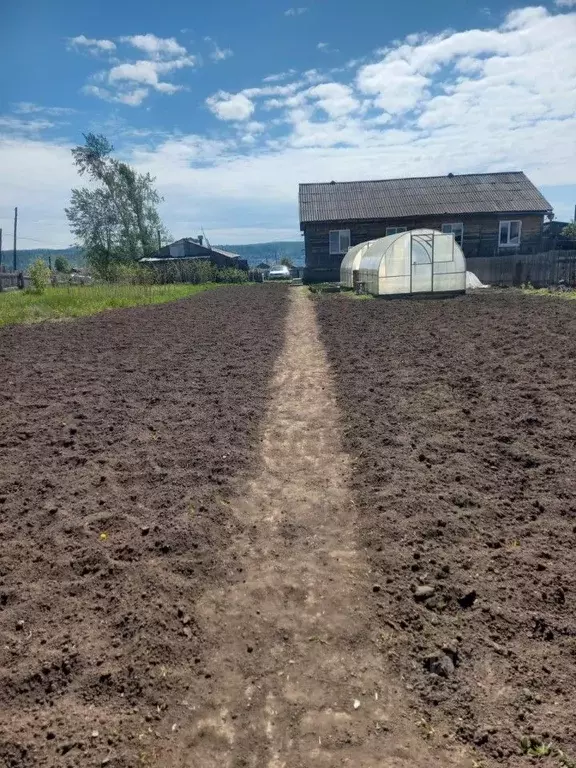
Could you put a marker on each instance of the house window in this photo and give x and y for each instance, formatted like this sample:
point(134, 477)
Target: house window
point(509, 234)
point(394, 230)
point(339, 241)
point(454, 229)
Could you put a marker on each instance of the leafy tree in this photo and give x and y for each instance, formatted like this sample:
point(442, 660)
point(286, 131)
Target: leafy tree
point(116, 218)
point(285, 261)
point(40, 276)
point(61, 264)
point(569, 231)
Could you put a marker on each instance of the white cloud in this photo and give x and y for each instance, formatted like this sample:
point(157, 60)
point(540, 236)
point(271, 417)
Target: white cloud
point(217, 53)
point(130, 82)
point(11, 124)
point(325, 48)
point(566, 3)
point(155, 47)
point(279, 76)
point(27, 107)
point(295, 11)
point(92, 45)
point(147, 72)
point(132, 98)
point(489, 99)
point(228, 106)
point(335, 99)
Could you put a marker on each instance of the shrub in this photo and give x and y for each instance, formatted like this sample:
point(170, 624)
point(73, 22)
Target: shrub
point(231, 275)
point(61, 264)
point(40, 276)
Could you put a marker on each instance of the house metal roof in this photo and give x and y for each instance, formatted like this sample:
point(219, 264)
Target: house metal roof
point(430, 195)
point(204, 251)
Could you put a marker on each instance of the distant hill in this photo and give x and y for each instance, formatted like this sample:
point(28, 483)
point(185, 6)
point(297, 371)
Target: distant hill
point(268, 252)
point(254, 253)
point(26, 257)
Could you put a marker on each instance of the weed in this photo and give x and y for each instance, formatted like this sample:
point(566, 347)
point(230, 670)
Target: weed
point(535, 747)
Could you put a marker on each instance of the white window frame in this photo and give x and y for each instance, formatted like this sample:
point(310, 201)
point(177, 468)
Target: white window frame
point(448, 229)
point(509, 223)
point(395, 230)
point(342, 235)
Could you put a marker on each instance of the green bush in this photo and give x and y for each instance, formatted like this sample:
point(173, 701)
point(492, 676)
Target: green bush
point(61, 264)
point(231, 275)
point(197, 272)
point(40, 276)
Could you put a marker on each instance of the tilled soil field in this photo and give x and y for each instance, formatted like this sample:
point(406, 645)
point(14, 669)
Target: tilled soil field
point(460, 417)
point(121, 438)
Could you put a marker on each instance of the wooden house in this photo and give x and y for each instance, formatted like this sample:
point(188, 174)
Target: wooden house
point(190, 248)
point(489, 213)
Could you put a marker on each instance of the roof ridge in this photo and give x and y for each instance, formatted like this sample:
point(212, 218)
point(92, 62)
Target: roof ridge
point(410, 178)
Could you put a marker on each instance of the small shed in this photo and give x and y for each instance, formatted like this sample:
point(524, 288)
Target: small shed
point(421, 261)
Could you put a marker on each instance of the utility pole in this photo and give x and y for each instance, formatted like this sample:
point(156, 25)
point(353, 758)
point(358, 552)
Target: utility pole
point(159, 241)
point(15, 233)
point(0, 249)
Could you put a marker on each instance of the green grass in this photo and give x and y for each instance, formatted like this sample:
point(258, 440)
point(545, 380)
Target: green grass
point(549, 292)
point(77, 301)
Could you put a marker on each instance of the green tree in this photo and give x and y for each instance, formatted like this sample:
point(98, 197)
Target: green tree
point(40, 275)
point(285, 261)
point(61, 264)
point(115, 219)
point(570, 230)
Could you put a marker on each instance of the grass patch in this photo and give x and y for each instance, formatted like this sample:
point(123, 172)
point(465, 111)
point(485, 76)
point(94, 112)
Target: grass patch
point(77, 301)
point(549, 292)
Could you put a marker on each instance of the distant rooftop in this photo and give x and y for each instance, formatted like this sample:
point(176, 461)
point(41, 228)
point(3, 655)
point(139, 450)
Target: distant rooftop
point(510, 192)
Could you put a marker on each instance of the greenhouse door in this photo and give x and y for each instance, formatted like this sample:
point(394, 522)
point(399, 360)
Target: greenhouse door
point(421, 265)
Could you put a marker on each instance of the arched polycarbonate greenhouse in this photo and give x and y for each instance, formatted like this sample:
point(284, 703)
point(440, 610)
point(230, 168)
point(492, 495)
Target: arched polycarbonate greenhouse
point(351, 263)
point(421, 261)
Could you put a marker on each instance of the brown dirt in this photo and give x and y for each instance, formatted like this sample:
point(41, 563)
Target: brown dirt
point(460, 417)
point(292, 644)
point(122, 437)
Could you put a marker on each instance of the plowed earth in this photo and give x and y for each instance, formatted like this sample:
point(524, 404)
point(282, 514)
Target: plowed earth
point(460, 420)
point(122, 438)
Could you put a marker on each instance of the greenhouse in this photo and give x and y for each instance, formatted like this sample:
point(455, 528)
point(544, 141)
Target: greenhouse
point(421, 261)
point(351, 263)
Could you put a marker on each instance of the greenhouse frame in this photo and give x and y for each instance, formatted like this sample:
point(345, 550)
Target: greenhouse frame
point(420, 261)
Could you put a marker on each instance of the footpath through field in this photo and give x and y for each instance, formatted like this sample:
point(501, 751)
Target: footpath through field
point(298, 675)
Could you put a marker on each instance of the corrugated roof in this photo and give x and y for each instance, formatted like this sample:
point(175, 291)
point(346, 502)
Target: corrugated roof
point(398, 198)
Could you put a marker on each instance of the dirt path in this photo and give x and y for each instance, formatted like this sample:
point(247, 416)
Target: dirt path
point(297, 675)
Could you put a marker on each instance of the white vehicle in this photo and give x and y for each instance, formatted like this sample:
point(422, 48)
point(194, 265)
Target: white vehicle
point(279, 272)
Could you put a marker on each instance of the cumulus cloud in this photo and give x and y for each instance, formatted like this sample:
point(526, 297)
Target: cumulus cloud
point(91, 45)
point(335, 99)
point(566, 3)
point(155, 47)
point(130, 82)
point(295, 11)
point(228, 106)
point(489, 99)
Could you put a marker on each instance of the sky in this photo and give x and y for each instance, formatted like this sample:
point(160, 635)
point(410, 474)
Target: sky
point(230, 105)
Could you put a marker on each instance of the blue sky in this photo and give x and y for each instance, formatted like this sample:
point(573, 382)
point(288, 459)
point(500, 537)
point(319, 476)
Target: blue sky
point(230, 105)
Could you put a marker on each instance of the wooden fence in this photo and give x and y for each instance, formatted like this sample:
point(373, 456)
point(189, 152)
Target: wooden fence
point(539, 269)
point(9, 280)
